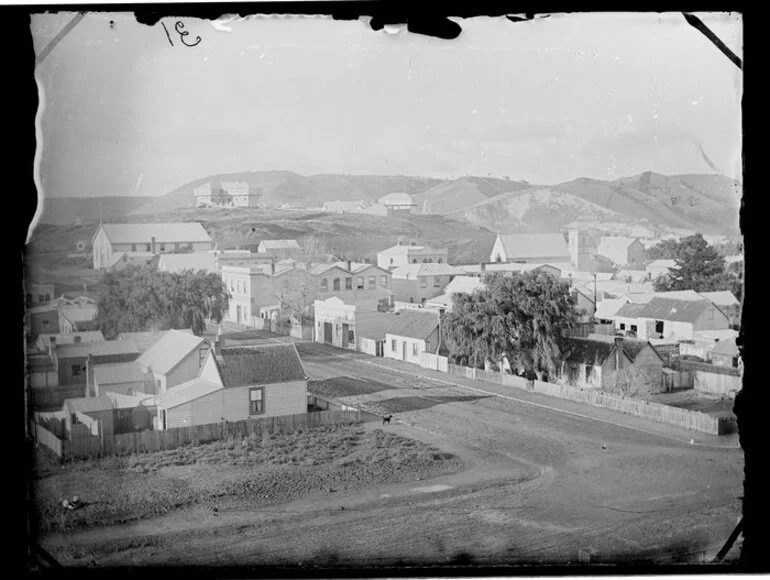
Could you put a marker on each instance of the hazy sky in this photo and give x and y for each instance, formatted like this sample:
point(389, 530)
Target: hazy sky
point(588, 95)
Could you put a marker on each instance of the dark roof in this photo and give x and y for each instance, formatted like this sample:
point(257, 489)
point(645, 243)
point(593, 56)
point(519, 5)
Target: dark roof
point(414, 323)
point(587, 351)
point(260, 364)
point(675, 310)
point(631, 346)
point(373, 325)
point(105, 348)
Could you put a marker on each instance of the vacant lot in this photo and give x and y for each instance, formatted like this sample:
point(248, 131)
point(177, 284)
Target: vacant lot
point(251, 472)
point(695, 401)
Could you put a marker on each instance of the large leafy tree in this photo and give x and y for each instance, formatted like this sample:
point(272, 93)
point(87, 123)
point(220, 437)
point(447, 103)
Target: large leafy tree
point(522, 318)
point(139, 298)
point(699, 267)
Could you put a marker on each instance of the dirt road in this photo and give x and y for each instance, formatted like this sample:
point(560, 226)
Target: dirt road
point(544, 482)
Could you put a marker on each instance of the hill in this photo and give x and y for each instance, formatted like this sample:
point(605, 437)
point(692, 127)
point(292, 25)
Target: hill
point(450, 196)
point(68, 210)
point(659, 203)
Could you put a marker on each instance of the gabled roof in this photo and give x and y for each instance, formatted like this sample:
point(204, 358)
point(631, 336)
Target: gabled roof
point(186, 392)
point(260, 365)
point(609, 308)
point(115, 373)
point(397, 199)
point(193, 261)
point(587, 351)
point(534, 245)
point(170, 350)
point(631, 346)
point(412, 271)
point(373, 325)
point(662, 264)
point(630, 310)
point(721, 298)
point(675, 310)
point(320, 269)
point(464, 284)
point(679, 295)
point(714, 335)
point(105, 348)
point(163, 233)
point(144, 340)
point(357, 267)
point(615, 243)
point(280, 244)
point(413, 323)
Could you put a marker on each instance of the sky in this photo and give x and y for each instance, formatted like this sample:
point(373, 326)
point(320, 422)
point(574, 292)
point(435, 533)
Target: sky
point(127, 109)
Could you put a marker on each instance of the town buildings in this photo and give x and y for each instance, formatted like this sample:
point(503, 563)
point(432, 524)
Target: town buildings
point(416, 283)
point(411, 253)
point(280, 249)
point(412, 333)
point(112, 242)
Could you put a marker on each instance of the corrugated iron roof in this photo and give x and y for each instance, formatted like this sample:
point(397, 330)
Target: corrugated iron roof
point(630, 310)
point(44, 341)
point(609, 308)
point(586, 351)
point(89, 404)
point(721, 298)
point(162, 232)
point(373, 325)
point(280, 244)
point(260, 364)
point(114, 373)
point(106, 348)
point(144, 340)
point(411, 271)
point(170, 350)
point(726, 347)
point(413, 323)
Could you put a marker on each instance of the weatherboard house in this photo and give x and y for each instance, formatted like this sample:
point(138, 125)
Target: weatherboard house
point(542, 248)
point(112, 242)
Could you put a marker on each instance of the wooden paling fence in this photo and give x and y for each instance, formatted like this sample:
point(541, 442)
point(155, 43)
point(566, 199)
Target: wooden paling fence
point(147, 441)
point(683, 418)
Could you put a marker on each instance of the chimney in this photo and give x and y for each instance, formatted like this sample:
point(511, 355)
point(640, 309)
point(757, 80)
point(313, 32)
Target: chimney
point(483, 267)
point(152, 244)
point(349, 266)
point(51, 346)
point(89, 372)
point(618, 349)
point(272, 267)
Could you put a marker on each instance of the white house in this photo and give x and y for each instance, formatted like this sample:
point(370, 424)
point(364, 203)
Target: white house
point(235, 384)
point(147, 238)
point(412, 332)
point(176, 358)
point(410, 253)
point(542, 248)
point(658, 267)
point(678, 319)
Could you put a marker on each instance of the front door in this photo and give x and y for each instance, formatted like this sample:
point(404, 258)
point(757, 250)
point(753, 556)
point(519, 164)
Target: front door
point(328, 332)
point(238, 314)
point(345, 330)
point(403, 350)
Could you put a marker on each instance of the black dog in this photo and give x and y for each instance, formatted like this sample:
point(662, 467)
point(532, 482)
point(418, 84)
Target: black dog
point(386, 419)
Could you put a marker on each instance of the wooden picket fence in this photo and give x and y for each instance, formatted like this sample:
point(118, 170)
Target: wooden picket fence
point(682, 418)
point(148, 441)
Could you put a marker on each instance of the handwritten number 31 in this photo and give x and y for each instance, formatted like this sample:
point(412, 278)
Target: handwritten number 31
point(179, 28)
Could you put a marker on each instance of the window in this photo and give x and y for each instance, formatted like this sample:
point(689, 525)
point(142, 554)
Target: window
point(324, 285)
point(372, 282)
point(424, 260)
point(336, 285)
point(157, 386)
point(423, 281)
point(430, 260)
point(360, 282)
point(163, 247)
point(232, 285)
point(46, 324)
point(384, 281)
point(391, 260)
point(393, 345)
point(78, 339)
point(436, 282)
point(659, 326)
point(148, 247)
point(285, 284)
point(77, 370)
point(622, 326)
point(414, 260)
point(414, 349)
point(351, 336)
point(256, 401)
point(47, 298)
point(440, 260)
point(348, 283)
point(633, 328)
point(133, 247)
point(40, 298)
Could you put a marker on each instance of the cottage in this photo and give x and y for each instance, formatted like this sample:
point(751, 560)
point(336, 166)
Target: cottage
point(606, 362)
point(621, 250)
point(542, 248)
point(175, 359)
point(412, 332)
point(238, 383)
point(371, 329)
point(353, 282)
point(416, 283)
point(678, 319)
point(398, 203)
point(107, 415)
point(153, 238)
point(75, 362)
point(402, 254)
point(252, 287)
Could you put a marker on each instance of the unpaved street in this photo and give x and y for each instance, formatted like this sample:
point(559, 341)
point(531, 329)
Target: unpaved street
point(539, 487)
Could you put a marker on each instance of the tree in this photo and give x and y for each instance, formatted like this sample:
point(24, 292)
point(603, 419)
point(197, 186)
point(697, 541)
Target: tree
point(139, 298)
point(301, 288)
point(522, 318)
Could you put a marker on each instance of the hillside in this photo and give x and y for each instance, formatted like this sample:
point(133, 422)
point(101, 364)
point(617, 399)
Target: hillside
point(704, 203)
point(67, 210)
point(280, 187)
point(457, 194)
point(355, 237)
